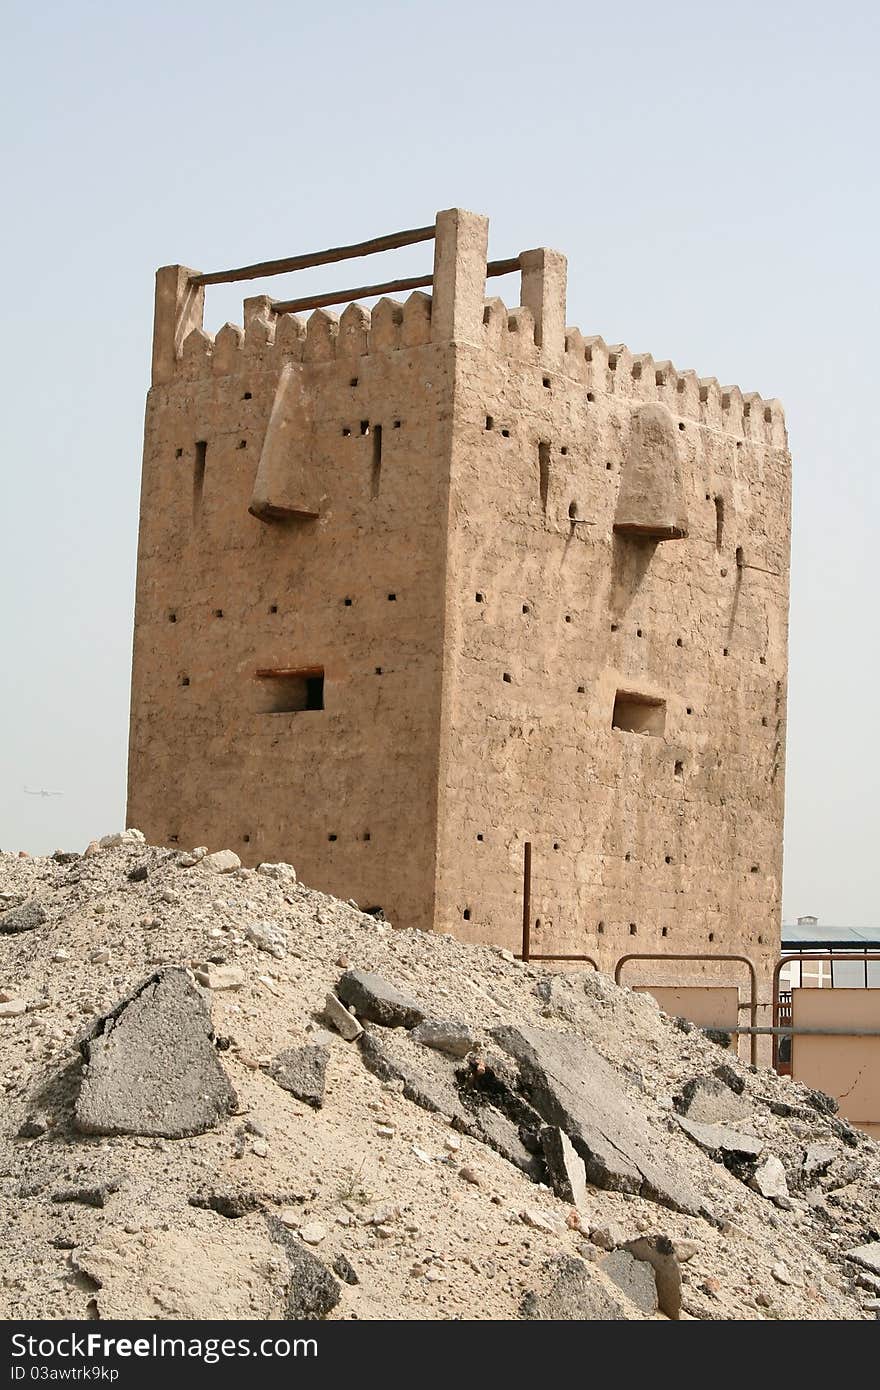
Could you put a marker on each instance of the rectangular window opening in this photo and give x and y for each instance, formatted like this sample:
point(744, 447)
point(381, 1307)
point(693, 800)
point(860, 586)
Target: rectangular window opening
point(291, 691)
point(638, 714)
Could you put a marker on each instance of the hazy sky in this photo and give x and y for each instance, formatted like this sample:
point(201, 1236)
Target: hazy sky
point(711, 172)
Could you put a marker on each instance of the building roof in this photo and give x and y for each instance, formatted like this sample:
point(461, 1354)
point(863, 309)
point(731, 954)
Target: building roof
point(810, 931)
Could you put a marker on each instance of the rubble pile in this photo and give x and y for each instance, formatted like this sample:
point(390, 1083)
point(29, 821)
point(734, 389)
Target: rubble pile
point(228, 1095)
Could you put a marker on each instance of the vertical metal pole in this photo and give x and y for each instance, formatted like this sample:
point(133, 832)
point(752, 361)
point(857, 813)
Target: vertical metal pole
point(527, 899)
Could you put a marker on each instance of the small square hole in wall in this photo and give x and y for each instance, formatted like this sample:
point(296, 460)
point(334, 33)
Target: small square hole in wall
point(354, 381)
point(365, 427)
point(506, 677)
point(668, 858)
point(764, 720)
point(179, 454)
point(218, 612)
point(679, 642)
point(664, 931)
point(183, 680)
point(490, 422)
point(563, 450)
point(367, 836)
point(627, 856)
point(525, 608)
point(711, 936)
point(568, 617)
point(247, 396)
point(763, 660)
point(689, 710)
point(467, 914)
point(600, 928)
point(480, 835)
point(173, 839)
point(479, 598)
point(638, 714)
point(346, 433)
point(172, 618)
point(505, 434)
point(681, 424)
point(556, 844)
point(546, 382)
point(290, 691)
point(378, 671)
point(633, 929)
point(395, 424)
point(582, 690)
point(331, 838)
point(725, 651)
point(679, 768)
point(760, 939)
point(246, 839)
point(638, 632)
point(614, 627)
point(590, 397)
point(242, 444)
point(754, 869)
point(273, 607)
point(392, 598)
point(346, 602)
point(609, 465)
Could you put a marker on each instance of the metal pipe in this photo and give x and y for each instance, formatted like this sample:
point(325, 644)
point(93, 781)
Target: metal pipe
point(527, 899)
point(801, 956)
point(743, 960)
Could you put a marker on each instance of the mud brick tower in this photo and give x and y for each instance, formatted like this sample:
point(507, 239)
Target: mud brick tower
point(419, 585)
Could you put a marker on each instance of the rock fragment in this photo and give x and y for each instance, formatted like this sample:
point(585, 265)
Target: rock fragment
point(720, 1141)
point(377, 1000)
point(709, 1100)
point(27, 917)
point(302, 1071)
point(312, 1292)
point(151, 1065)
point(572, 1291)
point(344, 1022)
point(455, 1039)
point(769, 1178)
point(222, 861)
point(568, 1176)
point(220, 976)
point(635, 1278)
point(659, 1252)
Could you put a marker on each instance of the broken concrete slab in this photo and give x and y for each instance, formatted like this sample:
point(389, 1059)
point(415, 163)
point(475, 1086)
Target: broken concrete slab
point(719, 1141)
point(573, 1291)
point(151, 1066)
point(27, 917)
point(568, 1176)
point(867, 1256)
point(445, 1035)
point(428, 1079)
point(302, 1071)
point(378, 1001)
point(312, 1292)
point(573, 1087)
point(94, 1194)
point(708, 1100)
point(635, 1278)
point(660, 1253)
point(769, 1178)
point(344, 1022)
point(818, 1158)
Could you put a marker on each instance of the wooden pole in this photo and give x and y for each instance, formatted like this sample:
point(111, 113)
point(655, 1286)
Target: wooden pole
point(321, 301)
point(336, 253)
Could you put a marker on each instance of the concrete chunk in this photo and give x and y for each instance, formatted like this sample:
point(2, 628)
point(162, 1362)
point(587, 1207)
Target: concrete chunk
point(312, 1292)
point(24, 918)
point(659, 1252)
point(376, 1000)
point(345, 1023)
point(868, 1256)
point(222, 861)
point(574, 1292)
point(708, 1100)
point(151, 1064)
point(635, 1278)
point(769, 1178)
point(302, 1071)
point(574, 1088)
point(455, 1039)
point(719, 1141)
point(568, 1176)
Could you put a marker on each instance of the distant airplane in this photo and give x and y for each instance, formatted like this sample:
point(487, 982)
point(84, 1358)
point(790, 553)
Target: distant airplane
point(42, 792)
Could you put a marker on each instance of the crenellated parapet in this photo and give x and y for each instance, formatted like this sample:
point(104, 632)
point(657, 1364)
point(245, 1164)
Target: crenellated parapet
point(456, 310)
